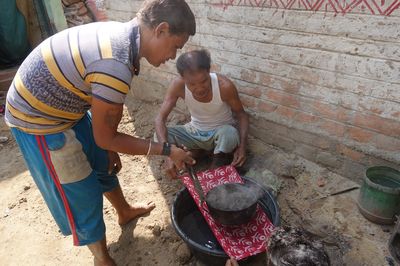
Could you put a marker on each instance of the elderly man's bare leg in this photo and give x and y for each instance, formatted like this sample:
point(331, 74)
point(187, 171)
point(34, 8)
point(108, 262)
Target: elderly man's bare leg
point(100, 253)
point(127, 212)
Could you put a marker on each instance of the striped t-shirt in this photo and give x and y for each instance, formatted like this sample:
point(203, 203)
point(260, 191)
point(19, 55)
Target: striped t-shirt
point(54, 86)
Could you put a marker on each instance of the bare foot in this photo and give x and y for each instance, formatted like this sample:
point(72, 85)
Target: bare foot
point(135, 211)
point(107, 262)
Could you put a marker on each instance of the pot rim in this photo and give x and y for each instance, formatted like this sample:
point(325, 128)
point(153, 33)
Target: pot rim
point(387, 189)
point(210, 206)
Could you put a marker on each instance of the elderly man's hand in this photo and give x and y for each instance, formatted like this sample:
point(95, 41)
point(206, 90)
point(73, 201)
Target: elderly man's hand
point(239, 156)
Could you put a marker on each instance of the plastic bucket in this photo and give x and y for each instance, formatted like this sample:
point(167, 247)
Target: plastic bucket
point(195, 232)
point(379, 198)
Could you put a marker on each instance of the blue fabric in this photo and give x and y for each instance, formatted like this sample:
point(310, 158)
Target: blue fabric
point(84, 197)
point(14, 44)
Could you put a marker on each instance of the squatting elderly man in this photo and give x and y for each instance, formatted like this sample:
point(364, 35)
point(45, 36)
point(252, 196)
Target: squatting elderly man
point(212, 99)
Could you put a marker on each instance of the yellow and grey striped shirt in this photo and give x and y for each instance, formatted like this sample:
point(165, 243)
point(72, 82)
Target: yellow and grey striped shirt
point(54, 86)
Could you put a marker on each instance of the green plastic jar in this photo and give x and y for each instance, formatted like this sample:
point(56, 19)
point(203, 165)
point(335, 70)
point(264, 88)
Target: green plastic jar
point(379, 198)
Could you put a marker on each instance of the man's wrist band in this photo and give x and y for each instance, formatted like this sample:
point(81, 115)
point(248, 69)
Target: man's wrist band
point(166, 149)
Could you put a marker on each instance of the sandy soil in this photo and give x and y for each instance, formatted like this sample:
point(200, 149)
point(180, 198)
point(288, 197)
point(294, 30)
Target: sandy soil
point(29, 235)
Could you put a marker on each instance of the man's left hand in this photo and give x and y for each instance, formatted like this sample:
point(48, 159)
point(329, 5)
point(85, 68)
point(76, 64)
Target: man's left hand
point(239, 156)
point(114, 163)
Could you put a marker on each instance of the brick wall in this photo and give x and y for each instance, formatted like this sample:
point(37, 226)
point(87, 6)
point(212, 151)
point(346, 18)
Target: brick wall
point(320, 79)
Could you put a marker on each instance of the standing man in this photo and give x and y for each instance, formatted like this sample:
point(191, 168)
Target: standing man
point(71, 153)
point(211, 99)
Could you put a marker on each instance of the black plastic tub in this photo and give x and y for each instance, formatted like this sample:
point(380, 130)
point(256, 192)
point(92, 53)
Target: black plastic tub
point(195, 232)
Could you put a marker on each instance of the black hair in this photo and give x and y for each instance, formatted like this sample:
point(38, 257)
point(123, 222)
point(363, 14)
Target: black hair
point(176, 13)
point(193, 60)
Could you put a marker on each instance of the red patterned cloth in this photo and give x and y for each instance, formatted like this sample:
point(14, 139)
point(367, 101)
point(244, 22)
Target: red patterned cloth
point(239, 241)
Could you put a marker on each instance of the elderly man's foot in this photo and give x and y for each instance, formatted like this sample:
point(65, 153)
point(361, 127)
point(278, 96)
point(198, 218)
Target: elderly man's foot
point(135, 211)
point(221, 159)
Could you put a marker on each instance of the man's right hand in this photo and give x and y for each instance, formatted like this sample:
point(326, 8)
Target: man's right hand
point(177, 160)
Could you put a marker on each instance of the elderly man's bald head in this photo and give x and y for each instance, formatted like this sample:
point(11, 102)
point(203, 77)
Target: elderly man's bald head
point(193, 61)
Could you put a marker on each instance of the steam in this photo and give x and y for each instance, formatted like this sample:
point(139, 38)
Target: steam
point(234, 196)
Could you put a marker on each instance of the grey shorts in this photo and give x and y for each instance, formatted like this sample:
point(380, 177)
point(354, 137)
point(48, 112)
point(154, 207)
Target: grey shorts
point(222, 139)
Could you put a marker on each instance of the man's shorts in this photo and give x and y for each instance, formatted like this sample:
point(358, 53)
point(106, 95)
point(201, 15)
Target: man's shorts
point(222, 139)
point(71, 172)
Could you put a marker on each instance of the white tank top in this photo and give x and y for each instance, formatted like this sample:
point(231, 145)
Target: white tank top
point(211, 115)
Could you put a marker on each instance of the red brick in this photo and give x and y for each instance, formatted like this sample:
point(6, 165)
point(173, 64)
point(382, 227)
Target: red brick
point(291, 86)
point(332, 127)
point(285, 111)
point(306, 118)
point(387, 143)
point(324, 110)
point(248, 75)
point(251, 91)
point(283, 98)
point(265, 79)
point(322, 143)
point(266, 107)
point(311, 139)
point(375, 107)
point(359, 134)
point(333, 112)
point(343, 115)
point(382, 125)
point(307, 74)
point(248, 101)
point(348, 152)
point(215, 68)
point(190, 47)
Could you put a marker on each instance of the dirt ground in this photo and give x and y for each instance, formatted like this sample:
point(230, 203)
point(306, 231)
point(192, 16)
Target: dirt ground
point(29, 236)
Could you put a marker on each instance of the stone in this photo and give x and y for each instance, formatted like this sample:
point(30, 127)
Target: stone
point(157, 230)
point(266, 178)
point(22, 200)
point(183, 254)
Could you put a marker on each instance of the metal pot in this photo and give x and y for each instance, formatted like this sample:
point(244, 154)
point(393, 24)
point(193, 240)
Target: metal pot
point(238, 206)
point(229, 203)
point(228, 212)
